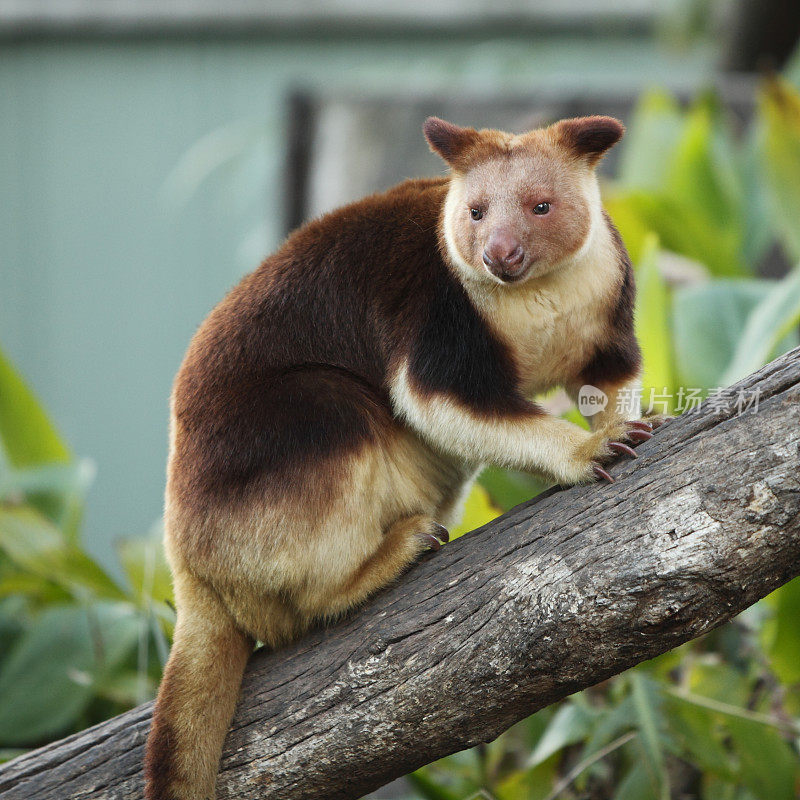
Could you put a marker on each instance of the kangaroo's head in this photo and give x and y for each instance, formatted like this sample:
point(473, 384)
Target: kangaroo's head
point(520, 206)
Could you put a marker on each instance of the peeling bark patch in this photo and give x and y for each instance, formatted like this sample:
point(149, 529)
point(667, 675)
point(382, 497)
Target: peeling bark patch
point(762, 501)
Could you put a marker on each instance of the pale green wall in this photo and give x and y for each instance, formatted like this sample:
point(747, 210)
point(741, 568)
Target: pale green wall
point(101, 287)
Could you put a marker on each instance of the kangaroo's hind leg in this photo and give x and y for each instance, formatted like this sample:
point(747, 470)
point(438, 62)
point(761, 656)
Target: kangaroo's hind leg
point(402, 544)
point(384, 517)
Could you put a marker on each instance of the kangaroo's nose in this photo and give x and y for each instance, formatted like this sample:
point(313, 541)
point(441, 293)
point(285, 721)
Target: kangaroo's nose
point(503, 251)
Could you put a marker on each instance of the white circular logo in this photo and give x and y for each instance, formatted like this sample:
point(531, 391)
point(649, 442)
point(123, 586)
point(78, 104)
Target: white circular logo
point(591, 400)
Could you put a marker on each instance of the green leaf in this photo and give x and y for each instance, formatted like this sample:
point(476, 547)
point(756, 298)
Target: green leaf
point(34, 545)
point(126, 688)
point(646, 704)
point(26, 433)
point(508, 488)
point(12, 622)
point(478, 510)
point(627, 217)
point(701, 173)
point(768, 324)
point(49, 677)
point(637, 785)
point(428, 788)
point(707, 321)
point(613, 721)
point(783, 647)
point(758, 223)
point(718, 681)
point(527, 784)
point(680, 229)
point(65, 479)
point(682, 178)
point(779, 107)
point(571, 724)
point(56, 490)
point(530, 730)
point(699, 736)
point(652, 320)
point(7, 753)
point(767, 765)
point(33, 588)
point(651, 138)
point(714, 788)
point(146, 567)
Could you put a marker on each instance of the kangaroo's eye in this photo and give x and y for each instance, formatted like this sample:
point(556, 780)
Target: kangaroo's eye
point(476, 213)
point(541, 208)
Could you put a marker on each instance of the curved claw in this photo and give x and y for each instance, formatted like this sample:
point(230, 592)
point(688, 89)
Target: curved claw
point(441, 533)
point(602, 474)
point(619, 447)
point(637, 435)
point(431, 541)
point(639, 424)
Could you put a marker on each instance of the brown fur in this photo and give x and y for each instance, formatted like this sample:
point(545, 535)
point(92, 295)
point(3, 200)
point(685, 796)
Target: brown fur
point(590, 137)
point(336, 404)
point(197, 695)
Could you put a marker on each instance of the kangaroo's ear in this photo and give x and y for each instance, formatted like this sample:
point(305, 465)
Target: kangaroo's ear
point(590, 137)
point(450, 141)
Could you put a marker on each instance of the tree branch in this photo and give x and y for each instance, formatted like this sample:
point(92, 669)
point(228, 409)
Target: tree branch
point(554, 596)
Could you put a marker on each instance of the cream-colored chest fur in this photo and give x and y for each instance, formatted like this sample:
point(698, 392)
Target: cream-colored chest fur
point(552, 324)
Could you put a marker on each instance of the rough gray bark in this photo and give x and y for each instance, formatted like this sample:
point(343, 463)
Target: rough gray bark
point(556, 595)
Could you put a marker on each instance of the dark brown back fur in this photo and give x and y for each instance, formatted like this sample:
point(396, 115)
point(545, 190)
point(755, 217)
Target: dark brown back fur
point(294, 363)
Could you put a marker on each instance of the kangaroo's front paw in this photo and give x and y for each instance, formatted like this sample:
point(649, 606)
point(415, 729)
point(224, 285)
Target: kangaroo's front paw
point(601, 447)
point(630, 431)
point(434, 536)
point(639, 430)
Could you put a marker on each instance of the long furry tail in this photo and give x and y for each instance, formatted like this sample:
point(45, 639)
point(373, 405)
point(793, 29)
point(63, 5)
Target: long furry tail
point(197, 696)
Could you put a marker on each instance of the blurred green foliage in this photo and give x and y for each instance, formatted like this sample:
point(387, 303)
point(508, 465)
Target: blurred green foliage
point(701, 206)
point(702, 202)
point(75, 645)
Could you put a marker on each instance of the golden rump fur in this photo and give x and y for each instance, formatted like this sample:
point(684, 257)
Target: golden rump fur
point(334, 407)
